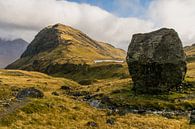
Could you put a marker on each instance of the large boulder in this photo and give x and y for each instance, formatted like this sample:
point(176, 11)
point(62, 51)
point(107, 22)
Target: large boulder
point(156, 61)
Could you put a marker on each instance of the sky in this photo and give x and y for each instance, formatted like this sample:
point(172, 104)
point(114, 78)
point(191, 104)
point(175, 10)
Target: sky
point(112, 21)
point(121, 8)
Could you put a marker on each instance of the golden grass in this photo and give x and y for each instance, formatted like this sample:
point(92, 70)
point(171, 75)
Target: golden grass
point(65, 112)
point(23, 79)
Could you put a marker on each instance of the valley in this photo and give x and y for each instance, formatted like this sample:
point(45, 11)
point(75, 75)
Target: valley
point(65, 79)
point(74, 107)
point(104, 103)
point(97, 64)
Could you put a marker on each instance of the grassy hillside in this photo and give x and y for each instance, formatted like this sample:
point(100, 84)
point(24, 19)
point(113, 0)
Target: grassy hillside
point(63, 48)
point(68, 109)
point(98, 71)
point(190, 53)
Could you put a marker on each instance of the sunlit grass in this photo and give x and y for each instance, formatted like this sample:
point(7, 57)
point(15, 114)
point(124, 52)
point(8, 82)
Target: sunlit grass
point(65, 112)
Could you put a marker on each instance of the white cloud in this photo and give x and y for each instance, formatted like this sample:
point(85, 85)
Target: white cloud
point(177, 14)
point(22, 18)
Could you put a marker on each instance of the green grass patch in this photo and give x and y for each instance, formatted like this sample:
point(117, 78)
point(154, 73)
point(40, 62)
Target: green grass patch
point(37, 106)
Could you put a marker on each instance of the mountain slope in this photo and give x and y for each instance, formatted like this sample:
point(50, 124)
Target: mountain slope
point(60, 47)
point(190, 53)
point(10, 50)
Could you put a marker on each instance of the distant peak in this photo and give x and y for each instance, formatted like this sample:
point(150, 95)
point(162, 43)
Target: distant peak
point(19, 40)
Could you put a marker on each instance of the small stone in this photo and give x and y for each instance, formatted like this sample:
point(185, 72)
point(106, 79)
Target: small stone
point(95, 103)
point(92, 124)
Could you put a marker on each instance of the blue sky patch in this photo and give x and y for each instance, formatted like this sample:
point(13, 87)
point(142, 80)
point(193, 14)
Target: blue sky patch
point(121, 8)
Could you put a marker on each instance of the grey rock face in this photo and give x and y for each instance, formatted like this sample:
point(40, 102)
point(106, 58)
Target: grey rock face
point(156, 61)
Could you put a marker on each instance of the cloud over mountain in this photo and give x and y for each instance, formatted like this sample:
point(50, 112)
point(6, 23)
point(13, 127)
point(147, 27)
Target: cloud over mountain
point(22, 18)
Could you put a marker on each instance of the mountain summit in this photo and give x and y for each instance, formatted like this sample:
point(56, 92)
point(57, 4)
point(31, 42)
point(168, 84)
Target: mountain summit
point(60, 47)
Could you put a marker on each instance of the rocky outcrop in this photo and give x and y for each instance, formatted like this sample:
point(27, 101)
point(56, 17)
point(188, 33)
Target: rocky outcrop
point(30, 92)
point(156, 61)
